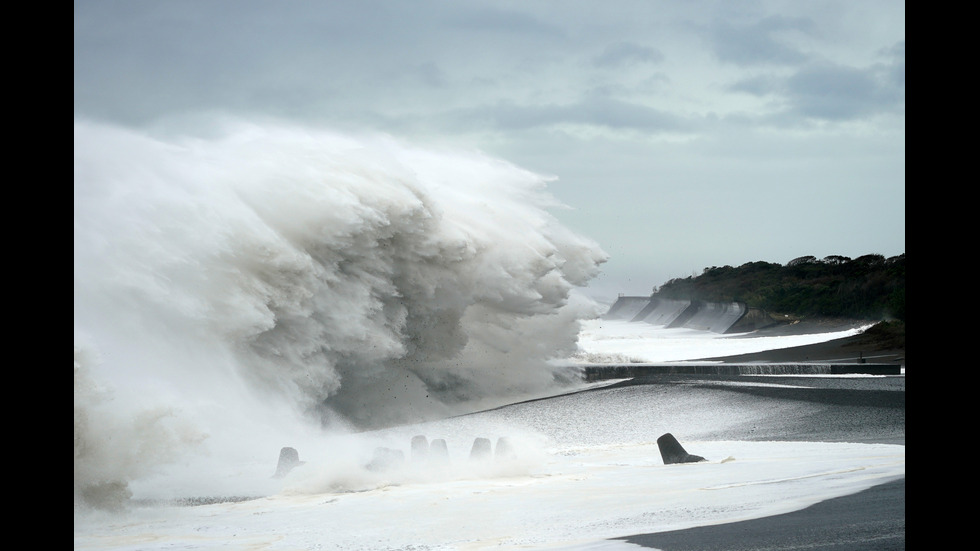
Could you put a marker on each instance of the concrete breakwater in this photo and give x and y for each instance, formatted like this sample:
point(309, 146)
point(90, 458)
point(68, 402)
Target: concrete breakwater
point(717, 317)
point(627, 371)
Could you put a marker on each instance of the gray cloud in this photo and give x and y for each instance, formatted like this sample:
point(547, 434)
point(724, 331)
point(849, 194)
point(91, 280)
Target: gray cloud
point(593, 111)
point(762, 85)
point(834, 92)
point(626, 53)
point(494, 20)
point(760, 42)
point(893, 69)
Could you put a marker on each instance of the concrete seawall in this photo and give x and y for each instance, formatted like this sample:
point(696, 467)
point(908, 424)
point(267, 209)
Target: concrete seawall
point(628, 371)
point(627, 308)
point(717, 317)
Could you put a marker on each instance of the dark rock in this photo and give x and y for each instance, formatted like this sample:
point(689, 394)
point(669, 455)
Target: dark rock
point(288, 460)
point(108, 496)
point(672, 451)
point(481, 449)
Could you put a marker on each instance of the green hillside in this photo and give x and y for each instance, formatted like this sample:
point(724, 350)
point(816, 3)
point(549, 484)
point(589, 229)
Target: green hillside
point(869, 287)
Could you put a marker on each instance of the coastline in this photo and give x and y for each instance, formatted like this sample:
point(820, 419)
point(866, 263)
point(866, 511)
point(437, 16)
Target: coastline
point(857, 409)
point(871, 520)
point(859, 347)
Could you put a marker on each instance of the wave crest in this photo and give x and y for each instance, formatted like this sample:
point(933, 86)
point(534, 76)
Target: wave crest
point(359, 280)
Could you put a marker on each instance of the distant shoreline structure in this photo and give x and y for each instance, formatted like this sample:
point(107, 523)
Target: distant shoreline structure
point(717, 317)
point(601, 372)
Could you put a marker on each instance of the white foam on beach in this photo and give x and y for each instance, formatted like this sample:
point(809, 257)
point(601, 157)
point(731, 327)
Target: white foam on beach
point(587, 469)
point(620, 341)
point(567, 498)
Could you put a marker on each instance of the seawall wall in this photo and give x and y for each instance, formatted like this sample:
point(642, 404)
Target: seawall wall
point(717, 317)
point(629, 371)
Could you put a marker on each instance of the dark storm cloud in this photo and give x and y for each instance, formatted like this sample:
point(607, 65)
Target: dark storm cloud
point(894, 66)
point(760, 42)
point(835, 92)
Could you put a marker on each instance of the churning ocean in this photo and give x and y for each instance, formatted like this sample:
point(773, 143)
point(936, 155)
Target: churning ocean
point(265, 286)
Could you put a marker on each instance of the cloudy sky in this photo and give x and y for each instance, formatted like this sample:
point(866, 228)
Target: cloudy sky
point(683, 135)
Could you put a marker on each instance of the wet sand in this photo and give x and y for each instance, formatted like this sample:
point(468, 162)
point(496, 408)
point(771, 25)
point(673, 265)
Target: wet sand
point(872, 520)
point(848, 349)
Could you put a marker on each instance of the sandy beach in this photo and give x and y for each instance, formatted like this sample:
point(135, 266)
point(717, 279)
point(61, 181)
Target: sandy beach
point(854, 409)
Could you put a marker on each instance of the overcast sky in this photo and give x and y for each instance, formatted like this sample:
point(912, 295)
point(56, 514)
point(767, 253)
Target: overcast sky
point(683, 134)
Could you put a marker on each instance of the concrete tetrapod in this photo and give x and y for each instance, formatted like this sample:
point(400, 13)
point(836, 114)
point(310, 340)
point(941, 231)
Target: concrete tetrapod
point(420, 448)
point(672, 451)
point(439, 452)
point(504, 450)
point(481, 450)
point(288, 460)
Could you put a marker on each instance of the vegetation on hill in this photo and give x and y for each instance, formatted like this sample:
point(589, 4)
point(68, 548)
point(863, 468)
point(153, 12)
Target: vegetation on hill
point(869, 287)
